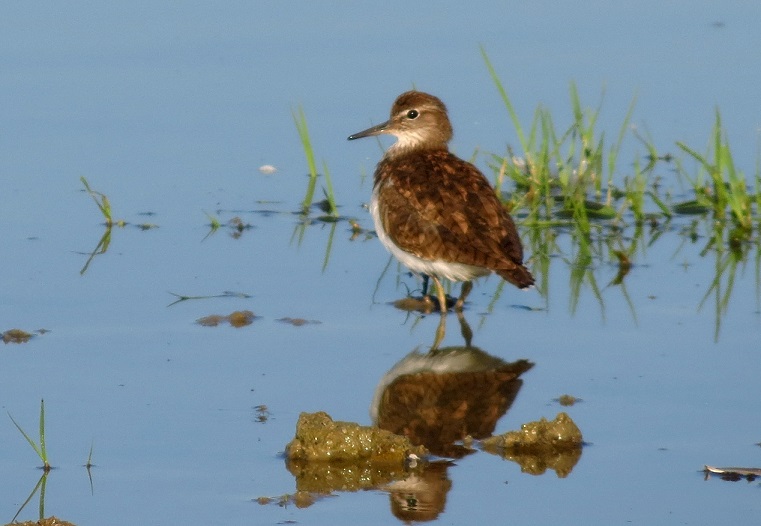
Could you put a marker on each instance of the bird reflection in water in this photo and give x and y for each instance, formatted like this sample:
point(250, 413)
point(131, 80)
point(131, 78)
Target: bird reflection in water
point(442, 399)
point(447, 395)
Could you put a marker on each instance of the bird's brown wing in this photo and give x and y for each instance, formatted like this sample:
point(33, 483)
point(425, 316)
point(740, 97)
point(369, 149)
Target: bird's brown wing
point(437, 206)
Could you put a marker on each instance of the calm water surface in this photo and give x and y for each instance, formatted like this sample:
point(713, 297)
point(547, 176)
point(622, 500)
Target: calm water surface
point(171, 109)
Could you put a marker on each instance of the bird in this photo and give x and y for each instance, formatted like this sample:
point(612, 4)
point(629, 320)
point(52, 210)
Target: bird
point(436, 213)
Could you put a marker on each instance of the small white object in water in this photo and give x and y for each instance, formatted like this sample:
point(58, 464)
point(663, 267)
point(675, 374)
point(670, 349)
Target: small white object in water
point(267, 169)
point(412, 459)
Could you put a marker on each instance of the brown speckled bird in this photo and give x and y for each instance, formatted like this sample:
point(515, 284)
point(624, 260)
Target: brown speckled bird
point(434, 212)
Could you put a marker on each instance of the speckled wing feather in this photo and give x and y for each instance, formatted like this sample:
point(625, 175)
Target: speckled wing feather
point(437, 206)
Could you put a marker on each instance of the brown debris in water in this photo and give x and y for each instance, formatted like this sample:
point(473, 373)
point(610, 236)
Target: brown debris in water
point(298, 322)
point(541, 445)
point(262, 413)
point(300, 499)
point(733, 474)
point(236, 319)
point(16, 336)
point(567, 400)
point(50, 521)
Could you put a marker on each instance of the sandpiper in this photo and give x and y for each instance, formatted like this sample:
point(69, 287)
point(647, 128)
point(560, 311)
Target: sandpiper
point(436, 213)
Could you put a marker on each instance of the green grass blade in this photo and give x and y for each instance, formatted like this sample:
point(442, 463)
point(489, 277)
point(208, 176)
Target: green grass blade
point(42, 497)
point(43, 450)
point(306, 143)
point(329, 247)
point(28, 439)
point(505, 100)
point(660, 204)
point(103, 205)
point(616, 148)
point(695, 155)
point(40, 482)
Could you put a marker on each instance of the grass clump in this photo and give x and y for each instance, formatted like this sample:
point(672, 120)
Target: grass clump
point(576, 201)
point(571, 177)
point(719, 186)
point(39, 447)
point(101, 200)
point(565, 176)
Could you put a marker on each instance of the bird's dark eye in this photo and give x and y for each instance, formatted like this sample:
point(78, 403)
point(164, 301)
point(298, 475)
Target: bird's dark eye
point(412, 114)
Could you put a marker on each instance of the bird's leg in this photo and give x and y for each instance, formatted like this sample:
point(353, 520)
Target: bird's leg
point(441, 294)
point(467, 286)
point(426, 298)
point(425, 285)
point(465, 330)
point(440, 332)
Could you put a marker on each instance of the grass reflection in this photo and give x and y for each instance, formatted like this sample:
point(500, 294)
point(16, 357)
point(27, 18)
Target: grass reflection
point(41, 484)
point(104, 205)
point(732, 252)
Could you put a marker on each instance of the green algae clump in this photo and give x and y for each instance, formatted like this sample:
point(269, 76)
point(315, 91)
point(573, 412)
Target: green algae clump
point(541, 446)
point(544, 434)
point(321, 439)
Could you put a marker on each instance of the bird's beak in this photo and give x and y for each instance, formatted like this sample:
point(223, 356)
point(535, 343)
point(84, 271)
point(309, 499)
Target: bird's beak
point(375, 130)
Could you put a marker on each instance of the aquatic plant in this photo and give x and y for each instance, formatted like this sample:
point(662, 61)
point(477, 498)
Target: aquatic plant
point(225, 294)
point(101, 200)
point(301, 125)
point(718, 185)
point(568, 183)
point(214, 224)
point(572, 176)
point(39, 448)
point(41, 485)
point(566, 177)
point(100, 248)
point(104, 205)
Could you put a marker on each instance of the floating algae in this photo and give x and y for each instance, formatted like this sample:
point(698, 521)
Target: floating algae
point(561, 433)
point(541, 445)
point(319, 438)
point(327, 456)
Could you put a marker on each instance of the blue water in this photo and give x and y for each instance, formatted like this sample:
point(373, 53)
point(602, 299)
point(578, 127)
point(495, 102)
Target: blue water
point(170, 109)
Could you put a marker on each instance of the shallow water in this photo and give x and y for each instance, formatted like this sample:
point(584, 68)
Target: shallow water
point(171, 111)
